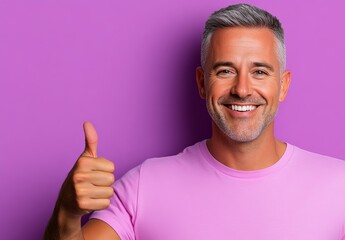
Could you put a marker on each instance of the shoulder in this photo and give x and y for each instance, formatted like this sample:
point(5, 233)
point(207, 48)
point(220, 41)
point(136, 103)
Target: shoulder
point(168, 165)
point(189, 156)
point(322, 165)
point(317, 158)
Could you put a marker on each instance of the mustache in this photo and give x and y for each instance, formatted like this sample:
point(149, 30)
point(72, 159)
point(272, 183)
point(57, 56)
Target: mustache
point(235, 99)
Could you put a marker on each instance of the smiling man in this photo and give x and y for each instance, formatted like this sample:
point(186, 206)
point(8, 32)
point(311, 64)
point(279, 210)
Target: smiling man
point(243, 79)
point(242, 183)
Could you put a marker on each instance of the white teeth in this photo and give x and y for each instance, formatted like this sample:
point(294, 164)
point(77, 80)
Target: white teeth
point(242, 108)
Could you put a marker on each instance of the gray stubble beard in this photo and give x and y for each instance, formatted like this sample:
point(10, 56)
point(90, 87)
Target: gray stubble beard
point(245, 135)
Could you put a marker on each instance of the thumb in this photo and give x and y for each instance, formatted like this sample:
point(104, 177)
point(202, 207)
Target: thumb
point(91, 140)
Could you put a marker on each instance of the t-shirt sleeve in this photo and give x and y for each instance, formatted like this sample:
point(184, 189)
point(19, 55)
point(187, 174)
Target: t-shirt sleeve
point(121, 213)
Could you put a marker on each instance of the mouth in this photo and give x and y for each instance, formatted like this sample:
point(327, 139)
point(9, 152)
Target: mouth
point(241, 108)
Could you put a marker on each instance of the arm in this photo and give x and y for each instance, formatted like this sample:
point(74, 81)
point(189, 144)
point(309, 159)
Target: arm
point(70, 229)
point(88, 187)
point(98, 230)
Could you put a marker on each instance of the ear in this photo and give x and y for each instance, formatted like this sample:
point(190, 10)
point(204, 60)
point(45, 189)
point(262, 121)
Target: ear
point(285, 83)
point(200, 80)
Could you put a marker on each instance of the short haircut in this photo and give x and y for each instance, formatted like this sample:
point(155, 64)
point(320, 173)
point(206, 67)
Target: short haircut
point(243, 15)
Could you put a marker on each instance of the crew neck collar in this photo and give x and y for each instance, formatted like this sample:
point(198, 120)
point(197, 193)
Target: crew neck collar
point(246, 174)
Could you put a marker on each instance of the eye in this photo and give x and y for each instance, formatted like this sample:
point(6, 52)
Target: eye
point(260, 73)
point(224, 72)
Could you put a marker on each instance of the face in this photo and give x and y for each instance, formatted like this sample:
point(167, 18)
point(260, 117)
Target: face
point(242, 82)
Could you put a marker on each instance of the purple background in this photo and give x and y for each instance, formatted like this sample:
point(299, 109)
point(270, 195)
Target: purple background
point(129, 67)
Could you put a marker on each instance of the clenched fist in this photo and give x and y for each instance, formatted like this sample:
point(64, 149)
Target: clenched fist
point(88, 186)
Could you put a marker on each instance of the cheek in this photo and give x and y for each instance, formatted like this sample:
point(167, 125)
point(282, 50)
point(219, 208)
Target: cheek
point(269, 90)
point(217, 89)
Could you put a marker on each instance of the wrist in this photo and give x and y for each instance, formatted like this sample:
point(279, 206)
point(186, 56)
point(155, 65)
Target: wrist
point(69, 224)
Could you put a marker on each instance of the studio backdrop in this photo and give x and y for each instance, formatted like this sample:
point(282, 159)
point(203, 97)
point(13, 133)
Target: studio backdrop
point(129, 67)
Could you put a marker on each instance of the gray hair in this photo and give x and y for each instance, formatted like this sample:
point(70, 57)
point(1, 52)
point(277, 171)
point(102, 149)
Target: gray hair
point(243, 15)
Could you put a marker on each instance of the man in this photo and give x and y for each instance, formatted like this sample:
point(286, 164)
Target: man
point(242, 183)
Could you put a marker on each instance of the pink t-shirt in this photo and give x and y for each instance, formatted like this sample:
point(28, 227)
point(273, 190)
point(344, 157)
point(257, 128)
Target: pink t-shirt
point(193, 196)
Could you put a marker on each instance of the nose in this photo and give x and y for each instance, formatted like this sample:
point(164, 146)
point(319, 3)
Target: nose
point(242, 86)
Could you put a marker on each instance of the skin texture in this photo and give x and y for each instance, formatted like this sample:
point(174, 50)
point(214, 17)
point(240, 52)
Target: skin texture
point(88, 187)
point(243, 69)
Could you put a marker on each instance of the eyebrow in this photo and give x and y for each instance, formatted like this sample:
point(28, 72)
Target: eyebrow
point(265, 65)
point(231, 64)
point(222, 64)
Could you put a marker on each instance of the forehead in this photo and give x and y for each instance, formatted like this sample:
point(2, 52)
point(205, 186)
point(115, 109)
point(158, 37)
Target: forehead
point(240, 44)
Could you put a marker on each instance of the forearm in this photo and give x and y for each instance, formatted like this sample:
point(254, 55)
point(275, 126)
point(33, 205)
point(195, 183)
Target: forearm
point(63, 225)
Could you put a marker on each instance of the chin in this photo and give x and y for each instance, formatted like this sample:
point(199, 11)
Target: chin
point(240, 135)
point(242, 138)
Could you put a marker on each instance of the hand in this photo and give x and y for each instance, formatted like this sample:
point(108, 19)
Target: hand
point(88, 186)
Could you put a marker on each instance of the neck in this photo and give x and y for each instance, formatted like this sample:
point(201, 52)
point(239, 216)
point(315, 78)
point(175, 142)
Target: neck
point(260, 153)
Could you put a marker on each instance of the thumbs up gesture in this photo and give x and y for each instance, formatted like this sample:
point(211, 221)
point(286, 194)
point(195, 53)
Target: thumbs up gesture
point(88, 186)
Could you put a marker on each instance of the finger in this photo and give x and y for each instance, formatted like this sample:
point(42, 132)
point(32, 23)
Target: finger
point(94, 204)
point(94, 178)
point(103, 164)
point(101, 192)
point(102, 179)
point(87, 164)
point(91, 140)
point(89, 191)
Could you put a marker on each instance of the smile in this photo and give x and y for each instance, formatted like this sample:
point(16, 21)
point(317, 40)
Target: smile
point(242, 108)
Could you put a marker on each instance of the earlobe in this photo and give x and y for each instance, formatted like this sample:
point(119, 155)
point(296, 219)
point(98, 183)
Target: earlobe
point(285, 83)
point(200, 82)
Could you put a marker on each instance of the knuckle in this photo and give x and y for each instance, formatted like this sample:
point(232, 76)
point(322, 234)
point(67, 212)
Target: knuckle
point(80, 192)
point(83, 204)
point(78, 177)
point(83, 162)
